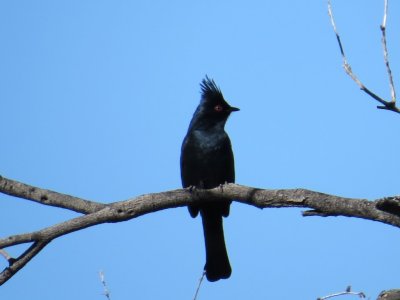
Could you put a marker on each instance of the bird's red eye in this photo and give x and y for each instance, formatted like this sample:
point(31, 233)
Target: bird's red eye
point(218, 108)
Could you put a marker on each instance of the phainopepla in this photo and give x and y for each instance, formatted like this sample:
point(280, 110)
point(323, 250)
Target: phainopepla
point(207, 162)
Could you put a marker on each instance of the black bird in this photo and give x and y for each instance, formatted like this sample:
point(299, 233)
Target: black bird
point(207, 162)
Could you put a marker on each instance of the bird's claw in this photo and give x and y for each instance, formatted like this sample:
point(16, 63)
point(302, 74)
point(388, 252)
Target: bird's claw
point(192, 189)
point(221, 186)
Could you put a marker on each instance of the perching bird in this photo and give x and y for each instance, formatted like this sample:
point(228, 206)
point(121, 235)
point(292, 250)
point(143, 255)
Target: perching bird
point(207, 162)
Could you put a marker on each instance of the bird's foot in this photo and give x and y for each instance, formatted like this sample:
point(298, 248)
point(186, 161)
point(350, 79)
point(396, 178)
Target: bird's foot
point(192, 189)
point(221, 186)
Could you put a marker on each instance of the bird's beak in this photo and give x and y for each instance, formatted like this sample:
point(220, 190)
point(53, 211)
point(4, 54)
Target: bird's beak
point(233, 109)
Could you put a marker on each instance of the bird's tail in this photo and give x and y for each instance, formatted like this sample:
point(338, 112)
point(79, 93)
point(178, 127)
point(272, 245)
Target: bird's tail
point(217, 262)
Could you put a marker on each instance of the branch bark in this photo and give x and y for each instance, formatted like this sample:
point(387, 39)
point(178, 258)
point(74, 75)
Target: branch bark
point(389, 295)
point(319, 204)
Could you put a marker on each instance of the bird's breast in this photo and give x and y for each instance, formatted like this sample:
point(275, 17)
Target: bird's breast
point(209, 141)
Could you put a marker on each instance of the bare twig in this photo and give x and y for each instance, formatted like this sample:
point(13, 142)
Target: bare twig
point(6, 256)
point(319, 204)
point(388, 105)
point(106, 291)
point(199, 285)
point(347, 292)
point(386, 55)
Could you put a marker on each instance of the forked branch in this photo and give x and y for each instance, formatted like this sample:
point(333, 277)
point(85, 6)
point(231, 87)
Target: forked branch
point(385, 210)
point(388, 105)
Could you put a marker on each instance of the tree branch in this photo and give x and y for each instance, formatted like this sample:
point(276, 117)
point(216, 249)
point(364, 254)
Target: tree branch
point(46, 197)
point(98, 213)
point(389, 295)
point(348, 291)
point(386, 54)
point(388, 105)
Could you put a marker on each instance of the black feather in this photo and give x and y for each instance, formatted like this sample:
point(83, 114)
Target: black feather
point(206, 162)
point(210, 89)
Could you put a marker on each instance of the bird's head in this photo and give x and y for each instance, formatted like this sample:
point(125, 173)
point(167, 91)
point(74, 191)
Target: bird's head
point(213, 109)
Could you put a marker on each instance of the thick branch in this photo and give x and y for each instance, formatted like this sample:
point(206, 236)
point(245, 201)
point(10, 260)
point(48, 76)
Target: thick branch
point(389, 295)
point(24, 191)
point(97, 213)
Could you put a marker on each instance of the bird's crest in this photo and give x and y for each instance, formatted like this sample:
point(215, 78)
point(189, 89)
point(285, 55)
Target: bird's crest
point(210, 90)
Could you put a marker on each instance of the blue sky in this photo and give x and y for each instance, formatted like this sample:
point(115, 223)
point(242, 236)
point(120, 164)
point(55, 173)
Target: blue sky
point(97, 96)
